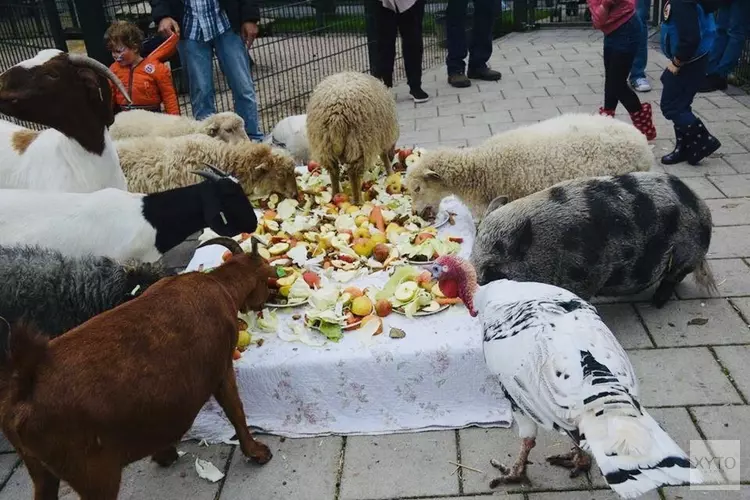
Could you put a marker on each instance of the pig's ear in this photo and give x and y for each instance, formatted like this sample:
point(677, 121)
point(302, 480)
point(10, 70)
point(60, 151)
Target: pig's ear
point(495, 204)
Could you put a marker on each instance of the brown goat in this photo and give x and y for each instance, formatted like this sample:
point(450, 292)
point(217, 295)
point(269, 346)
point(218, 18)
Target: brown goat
point(129, 382)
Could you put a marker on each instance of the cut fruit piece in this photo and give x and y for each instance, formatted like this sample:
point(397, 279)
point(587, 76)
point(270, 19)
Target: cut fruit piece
point(278, 248)
point(406, 291)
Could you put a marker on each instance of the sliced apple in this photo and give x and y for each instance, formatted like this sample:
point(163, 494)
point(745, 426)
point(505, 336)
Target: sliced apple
point(278, 248)
point(406, 291)
point(437, 292)
point(432, 306)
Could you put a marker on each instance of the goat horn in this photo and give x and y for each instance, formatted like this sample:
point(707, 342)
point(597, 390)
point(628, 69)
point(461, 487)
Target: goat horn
point(254, 242)
point(216, 170)
point(207, 174)
point(224, 241)
point(87, 62)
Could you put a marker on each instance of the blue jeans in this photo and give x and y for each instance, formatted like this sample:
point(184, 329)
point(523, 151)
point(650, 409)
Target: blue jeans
point(197, 58)
point(481, 35)
point(731, 29)
point(679, 91)
point(638, 69)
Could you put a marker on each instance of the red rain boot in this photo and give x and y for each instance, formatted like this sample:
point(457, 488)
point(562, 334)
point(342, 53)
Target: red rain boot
point(607, 112)
point(642, 120)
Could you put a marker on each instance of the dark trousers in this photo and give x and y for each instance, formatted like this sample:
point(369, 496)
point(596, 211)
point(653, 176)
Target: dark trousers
point(620, 48)
point(481, 35)
point(409, 25)
point(679, 91)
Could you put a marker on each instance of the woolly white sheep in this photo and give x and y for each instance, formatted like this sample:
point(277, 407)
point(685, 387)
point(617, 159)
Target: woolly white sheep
point(351, 120)
point(70, 94)
point(528, 159)
point(228, 127)
point(121, 225)
point(291, 134)
point(157, 163)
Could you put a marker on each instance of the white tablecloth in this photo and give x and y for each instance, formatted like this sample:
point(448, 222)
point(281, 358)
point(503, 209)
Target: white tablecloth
point(434, 378)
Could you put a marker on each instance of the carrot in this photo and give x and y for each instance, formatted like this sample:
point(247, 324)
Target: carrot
point(226, 256)
point(376, 217)
point(443, 301)
point(236, 354)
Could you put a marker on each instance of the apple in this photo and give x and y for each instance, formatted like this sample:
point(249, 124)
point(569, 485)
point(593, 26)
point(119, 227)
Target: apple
point(353, 291)
point(422, 237)
point(403, 153)
point(361, 306)
point(373, 319)
point(383, 308)
point(313, 166)
point(363, 247)
point(340, 198)
point(311, 278)
point(269, 214)
point(381, 252)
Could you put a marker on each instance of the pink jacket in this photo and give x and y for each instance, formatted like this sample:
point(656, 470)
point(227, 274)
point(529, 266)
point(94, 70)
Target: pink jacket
point(608, 15)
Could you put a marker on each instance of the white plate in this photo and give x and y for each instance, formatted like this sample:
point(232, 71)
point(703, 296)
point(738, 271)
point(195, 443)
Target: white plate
point(282, 306)
point(423, 313)
point(441, 219)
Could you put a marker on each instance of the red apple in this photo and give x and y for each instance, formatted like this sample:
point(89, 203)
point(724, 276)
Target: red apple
point(313, 166)
point(340, 198)
point(312, 279)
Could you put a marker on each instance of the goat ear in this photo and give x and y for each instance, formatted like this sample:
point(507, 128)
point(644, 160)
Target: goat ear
point(431, 175)
point(495, 204)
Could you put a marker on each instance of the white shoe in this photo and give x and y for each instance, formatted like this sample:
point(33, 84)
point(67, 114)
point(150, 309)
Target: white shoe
point(641, 85)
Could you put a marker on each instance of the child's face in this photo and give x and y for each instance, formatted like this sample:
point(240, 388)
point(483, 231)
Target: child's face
point(123, 55)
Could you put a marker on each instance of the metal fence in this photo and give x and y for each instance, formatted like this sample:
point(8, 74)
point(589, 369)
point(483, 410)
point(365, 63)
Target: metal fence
point(742, 72)
point(300, 43)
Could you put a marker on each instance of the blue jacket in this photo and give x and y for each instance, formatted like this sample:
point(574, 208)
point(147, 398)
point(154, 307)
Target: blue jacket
point(688, 31)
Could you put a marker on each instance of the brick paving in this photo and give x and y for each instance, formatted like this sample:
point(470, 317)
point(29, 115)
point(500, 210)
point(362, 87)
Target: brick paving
point(692, 376)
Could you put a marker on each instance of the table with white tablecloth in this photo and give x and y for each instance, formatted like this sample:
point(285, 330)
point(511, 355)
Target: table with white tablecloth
point(433, 378)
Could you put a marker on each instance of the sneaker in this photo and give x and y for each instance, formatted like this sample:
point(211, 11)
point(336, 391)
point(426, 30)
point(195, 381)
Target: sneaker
point(459, 80)
point(486, 74)
point(419, 95)
point(641, 85)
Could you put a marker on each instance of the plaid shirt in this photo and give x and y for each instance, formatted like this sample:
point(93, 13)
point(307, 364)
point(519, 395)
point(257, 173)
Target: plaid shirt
point(204, 20)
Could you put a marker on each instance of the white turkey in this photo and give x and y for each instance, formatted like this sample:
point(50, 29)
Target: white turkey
point(562, 369)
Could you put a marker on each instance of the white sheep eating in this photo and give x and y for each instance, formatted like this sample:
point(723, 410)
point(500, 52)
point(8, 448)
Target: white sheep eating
point(154, 164)
point(227, 126)
point(527, 159)
point(351, 120)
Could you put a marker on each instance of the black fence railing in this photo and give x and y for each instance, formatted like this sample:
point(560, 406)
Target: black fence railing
point(300, 43)
point(742, 72)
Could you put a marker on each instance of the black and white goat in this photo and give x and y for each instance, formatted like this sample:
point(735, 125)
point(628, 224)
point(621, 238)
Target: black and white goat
point(121, 225)
point(70, 93)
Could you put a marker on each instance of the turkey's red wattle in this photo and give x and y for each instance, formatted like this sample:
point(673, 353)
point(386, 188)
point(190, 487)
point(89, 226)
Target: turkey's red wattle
point(449, 288)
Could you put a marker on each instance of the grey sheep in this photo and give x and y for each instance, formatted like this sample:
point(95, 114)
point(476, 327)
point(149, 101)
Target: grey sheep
point(58, 293)
point(612, 235)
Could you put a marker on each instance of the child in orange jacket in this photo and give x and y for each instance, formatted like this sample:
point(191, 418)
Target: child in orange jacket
point(148, 79)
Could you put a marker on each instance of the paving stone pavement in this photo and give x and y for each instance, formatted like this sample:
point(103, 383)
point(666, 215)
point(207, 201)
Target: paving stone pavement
point(692, 376)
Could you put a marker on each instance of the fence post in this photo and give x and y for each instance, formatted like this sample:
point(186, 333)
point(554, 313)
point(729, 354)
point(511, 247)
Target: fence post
point(55, 26)
point(372, 36)
point(93, 25)
point(520, 15)
point(656, 9)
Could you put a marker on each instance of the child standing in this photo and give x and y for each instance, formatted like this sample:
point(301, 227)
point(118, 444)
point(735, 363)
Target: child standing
point(687, 34)
point(148, 80)
point(623, 31)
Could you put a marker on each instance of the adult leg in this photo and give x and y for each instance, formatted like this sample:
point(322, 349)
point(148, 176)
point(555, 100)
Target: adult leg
point(739, 18)
point(638, 69)
point(386, 20)
point(197, 59)
point(410, 27)
point(235, 64)
point(481, 42)
point(455, 33)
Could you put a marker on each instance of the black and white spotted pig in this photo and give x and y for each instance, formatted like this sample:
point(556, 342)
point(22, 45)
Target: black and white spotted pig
point(613, 235)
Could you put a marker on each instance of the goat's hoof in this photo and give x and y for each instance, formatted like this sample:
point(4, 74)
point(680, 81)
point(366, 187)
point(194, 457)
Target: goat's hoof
point(167, 457)
point(262, 456)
